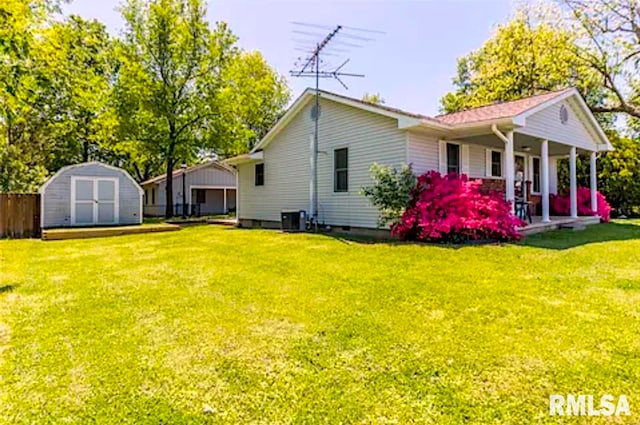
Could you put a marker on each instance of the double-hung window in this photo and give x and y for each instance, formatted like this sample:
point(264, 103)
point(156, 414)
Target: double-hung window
point(496, 164)
point(341, 170)
point(453, 158)
point(259, 174)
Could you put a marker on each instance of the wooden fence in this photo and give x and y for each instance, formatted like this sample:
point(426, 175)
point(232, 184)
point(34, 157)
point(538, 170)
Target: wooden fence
point(19, 215)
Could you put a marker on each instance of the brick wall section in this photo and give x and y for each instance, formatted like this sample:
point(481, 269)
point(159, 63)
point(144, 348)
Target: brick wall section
point(499, 185)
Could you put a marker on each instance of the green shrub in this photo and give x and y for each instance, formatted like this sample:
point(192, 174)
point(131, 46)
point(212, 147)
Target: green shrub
point(390, 191)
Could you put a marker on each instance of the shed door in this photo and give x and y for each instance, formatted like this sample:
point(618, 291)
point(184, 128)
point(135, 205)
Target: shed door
point(106, 201)
point(94, 200)
point(83, 204)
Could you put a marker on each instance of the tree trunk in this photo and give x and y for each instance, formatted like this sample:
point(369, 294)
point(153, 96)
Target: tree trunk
point(168, 212)
point(85, 151)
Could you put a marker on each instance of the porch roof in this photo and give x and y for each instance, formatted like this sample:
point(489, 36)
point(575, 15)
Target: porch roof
point(499, 110)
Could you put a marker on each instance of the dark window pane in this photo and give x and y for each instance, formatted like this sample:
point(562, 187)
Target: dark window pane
point(259, 175)
point(536, 174)
point(453, 158)
point(341, 158)
point(200, 196)
point(342, 184)
point(341, 170)
point(496, 164)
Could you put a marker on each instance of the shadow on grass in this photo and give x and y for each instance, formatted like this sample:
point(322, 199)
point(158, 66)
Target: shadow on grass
point(620, 230)
point(7, 288)
point(370, 240)
point(566, 239)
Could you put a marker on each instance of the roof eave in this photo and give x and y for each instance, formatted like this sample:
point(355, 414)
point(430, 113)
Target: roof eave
point(245, 158)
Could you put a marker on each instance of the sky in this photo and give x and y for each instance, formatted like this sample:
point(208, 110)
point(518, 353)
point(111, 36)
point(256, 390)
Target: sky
point(411, 65)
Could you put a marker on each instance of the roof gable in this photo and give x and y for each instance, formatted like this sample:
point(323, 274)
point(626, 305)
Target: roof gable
point(162, 177)
point(499, 110)
point(405, 119)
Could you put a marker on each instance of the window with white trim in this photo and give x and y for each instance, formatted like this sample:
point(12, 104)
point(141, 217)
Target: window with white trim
point(453, 158)
point(494, 163)
point(259, 174)
point(341, 170)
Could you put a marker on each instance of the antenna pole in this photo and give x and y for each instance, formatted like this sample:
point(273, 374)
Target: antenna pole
point(314, 200)
point(311, 68)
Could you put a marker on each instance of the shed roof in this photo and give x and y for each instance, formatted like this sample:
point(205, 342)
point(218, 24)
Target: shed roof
point(85, 164)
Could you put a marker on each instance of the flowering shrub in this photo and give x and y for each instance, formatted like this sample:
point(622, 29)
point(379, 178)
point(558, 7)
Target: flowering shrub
point(453, 209)
point(561, 204)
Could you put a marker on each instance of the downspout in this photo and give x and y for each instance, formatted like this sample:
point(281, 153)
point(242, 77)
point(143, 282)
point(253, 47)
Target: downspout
point(509, 160)
point(497, 132)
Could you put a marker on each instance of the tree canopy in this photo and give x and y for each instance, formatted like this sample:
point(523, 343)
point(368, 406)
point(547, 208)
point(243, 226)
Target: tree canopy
point(172, 88)
point(608, 35)
point(183, 88)
point(373, 98)
point(526, 56)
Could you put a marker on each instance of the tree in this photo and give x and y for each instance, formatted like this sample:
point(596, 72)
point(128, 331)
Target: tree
point(169, 80)
point(618, 174)
point(76, 55)
point(526, 56)
point(373, 98)
point(20, 141)
point(252, 100)
point(609, 36)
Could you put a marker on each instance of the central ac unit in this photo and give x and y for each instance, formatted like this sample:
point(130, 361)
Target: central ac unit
point(293, 220)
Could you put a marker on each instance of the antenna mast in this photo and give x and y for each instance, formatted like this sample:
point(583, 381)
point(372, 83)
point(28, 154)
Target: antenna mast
point(310, 68)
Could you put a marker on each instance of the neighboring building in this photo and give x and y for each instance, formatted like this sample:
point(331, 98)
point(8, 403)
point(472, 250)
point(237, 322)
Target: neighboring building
point(498, 143)
point(90, 194)
point(210, 189)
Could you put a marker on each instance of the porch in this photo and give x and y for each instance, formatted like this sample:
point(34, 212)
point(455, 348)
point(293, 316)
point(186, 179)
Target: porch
point(557, 222)
point(515, 147)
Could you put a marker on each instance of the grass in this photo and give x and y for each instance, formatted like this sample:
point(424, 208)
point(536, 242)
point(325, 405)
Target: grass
point(221, 325)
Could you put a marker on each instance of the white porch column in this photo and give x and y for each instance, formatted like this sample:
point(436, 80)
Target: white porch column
point(594, 182)
point(224, 204)
point(544, 153)
point(510, 170)
point(573, 182)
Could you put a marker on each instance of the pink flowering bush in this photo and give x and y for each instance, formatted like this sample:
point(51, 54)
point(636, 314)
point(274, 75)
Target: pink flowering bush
point(561, 204)
point(453, 209)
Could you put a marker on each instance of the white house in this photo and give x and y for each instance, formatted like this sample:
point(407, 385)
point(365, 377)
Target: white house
point(210, 188)
point(497, 143)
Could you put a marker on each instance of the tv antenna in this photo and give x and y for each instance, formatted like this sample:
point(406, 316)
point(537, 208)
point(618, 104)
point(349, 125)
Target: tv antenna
point(310, 65)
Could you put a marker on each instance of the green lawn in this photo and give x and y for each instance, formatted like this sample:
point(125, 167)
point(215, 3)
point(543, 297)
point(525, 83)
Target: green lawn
point(264, 327)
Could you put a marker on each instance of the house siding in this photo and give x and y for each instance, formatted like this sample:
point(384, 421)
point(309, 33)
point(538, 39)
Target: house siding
point(369, 137)
point(56, 196)
point(546, 124)
point(477, 161)
point(212, 175)
point(423, 152)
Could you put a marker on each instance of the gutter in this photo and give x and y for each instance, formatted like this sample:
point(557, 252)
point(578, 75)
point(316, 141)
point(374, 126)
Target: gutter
point(497, 132)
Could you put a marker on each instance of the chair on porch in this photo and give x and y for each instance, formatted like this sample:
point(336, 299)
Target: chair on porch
point(522, 205)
